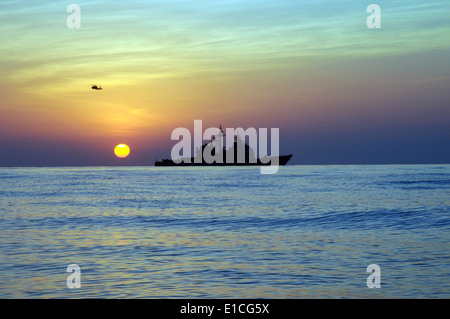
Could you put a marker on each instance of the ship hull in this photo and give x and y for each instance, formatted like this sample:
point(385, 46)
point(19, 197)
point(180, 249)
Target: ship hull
point(282, 160)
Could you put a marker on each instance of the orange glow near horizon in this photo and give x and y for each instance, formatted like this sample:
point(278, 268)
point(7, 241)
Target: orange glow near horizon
point(122, 150)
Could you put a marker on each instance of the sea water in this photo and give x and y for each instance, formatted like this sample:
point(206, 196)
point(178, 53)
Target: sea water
point(230, 232)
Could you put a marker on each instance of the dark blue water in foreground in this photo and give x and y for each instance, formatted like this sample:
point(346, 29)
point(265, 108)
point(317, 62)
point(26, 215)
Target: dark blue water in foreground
point(306, 232)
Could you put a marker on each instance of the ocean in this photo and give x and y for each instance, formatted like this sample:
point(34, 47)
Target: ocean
point(230, 232)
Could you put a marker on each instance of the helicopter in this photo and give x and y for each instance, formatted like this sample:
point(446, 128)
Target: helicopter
point(95, 87)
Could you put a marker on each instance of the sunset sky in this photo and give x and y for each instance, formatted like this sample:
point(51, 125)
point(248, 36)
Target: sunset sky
point(340, 93)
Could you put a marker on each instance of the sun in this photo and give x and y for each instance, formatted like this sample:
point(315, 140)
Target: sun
point(122, 150)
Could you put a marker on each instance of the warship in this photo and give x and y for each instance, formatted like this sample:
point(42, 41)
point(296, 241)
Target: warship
point(232, 152)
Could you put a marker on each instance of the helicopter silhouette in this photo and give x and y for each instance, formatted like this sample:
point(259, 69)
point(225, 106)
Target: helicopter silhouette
point(95, 87)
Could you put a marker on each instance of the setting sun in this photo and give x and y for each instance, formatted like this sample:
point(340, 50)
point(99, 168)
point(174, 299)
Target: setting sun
point(122, 150)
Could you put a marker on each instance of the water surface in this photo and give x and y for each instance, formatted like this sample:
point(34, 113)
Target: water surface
point(147, 232)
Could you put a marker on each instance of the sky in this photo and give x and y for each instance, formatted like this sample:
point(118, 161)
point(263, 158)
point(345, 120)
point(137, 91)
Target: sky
point(339, 92)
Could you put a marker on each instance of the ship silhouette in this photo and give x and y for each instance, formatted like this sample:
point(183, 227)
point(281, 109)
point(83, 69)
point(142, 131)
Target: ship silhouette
point(236, 149)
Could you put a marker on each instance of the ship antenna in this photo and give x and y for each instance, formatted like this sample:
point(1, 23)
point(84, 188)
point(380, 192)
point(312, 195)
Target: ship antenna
point(220, 127)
